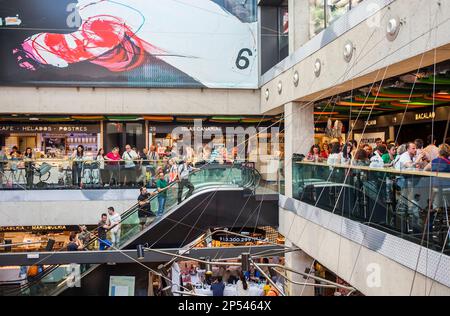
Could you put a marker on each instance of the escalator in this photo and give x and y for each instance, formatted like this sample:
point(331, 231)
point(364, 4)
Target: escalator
point(224, 196)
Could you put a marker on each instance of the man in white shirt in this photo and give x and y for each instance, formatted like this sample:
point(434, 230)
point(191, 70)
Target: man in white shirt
point(114, 226)
point(407, 160)
point(376, 161)
point(129, 170)
point(183, 176)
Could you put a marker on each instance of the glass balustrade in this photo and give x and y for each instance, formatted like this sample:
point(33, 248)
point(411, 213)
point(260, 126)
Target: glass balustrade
point(413, 205)
point(43, 174)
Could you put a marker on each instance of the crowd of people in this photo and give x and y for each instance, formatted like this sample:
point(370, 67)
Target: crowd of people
point(111, 222)
point(140, 168)
point(195, 278)
point(414, 155)
point(130, 168)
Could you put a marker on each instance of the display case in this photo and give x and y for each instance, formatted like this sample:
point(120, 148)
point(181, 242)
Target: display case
point(88, 141)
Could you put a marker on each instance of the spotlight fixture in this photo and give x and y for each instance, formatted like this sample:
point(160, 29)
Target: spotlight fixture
point(393, 28)
point(296, 78)
point(140, 252)
point(317, 67)
point(348, 51)
point(266, 93)
point(280, 87)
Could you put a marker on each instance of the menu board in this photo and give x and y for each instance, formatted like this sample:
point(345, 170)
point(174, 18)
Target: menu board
point(121, 285)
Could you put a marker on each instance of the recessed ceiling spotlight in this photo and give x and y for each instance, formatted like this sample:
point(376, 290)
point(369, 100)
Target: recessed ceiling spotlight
point(348, 51)
point(296, 78)
point(317, 67)
point(393, 28)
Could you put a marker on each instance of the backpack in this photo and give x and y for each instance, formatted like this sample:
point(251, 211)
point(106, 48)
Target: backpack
point(33, 271)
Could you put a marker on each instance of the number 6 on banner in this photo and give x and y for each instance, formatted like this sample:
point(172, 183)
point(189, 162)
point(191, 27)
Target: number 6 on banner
point(242, 61)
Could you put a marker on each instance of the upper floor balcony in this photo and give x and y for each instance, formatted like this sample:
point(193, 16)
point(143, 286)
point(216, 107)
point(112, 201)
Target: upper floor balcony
point(410, 204)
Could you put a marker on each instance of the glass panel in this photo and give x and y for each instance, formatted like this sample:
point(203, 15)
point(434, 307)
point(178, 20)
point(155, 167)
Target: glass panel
point(47, 281)
point(408, 204)
point(336, 9)
point(244, 10)
point(317, 17)
point(354, 3)
point(114, 136)
point(135, 135)
point(283, 32)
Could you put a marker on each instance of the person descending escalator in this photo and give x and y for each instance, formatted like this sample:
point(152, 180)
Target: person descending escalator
point(114, 226)
point(145, 211)
point(74, 243)
point(101, 233)
point(184, 171)
point(161, 186)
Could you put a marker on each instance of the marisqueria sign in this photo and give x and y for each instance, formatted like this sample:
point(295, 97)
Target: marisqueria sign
point(33, 228)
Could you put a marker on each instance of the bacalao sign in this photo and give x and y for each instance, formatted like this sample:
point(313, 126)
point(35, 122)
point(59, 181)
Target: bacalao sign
point(425, 116)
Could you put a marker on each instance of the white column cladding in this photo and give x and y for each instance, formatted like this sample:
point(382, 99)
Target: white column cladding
point(298, 135)
point(392, 132)
point(298, 24)
point(301, 262)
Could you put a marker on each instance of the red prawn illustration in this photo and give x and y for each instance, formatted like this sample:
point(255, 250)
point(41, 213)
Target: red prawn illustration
point(103, 40)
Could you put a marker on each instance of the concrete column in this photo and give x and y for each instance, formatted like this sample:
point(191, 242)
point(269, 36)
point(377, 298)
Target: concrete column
point(298, 24)
point(299, 261)
point(298, 135)
point(392, 132)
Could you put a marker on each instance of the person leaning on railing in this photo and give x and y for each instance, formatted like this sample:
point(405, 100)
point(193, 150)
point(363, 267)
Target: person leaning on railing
point(409, 159)
point(360, 158)
point(335, 156)
point(28, 159)
point(314, 154)
point(389, 156)
point(346, 155)
point(377, 161)
point(442, 162)
point(129, 171)
point(113, 160)
point(104, 174)
point(77, 167)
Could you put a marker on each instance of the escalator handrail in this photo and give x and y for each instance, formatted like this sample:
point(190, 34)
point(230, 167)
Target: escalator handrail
point(130, 211)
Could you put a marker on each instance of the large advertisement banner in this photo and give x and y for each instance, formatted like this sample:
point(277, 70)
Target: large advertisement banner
point(129, 43)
